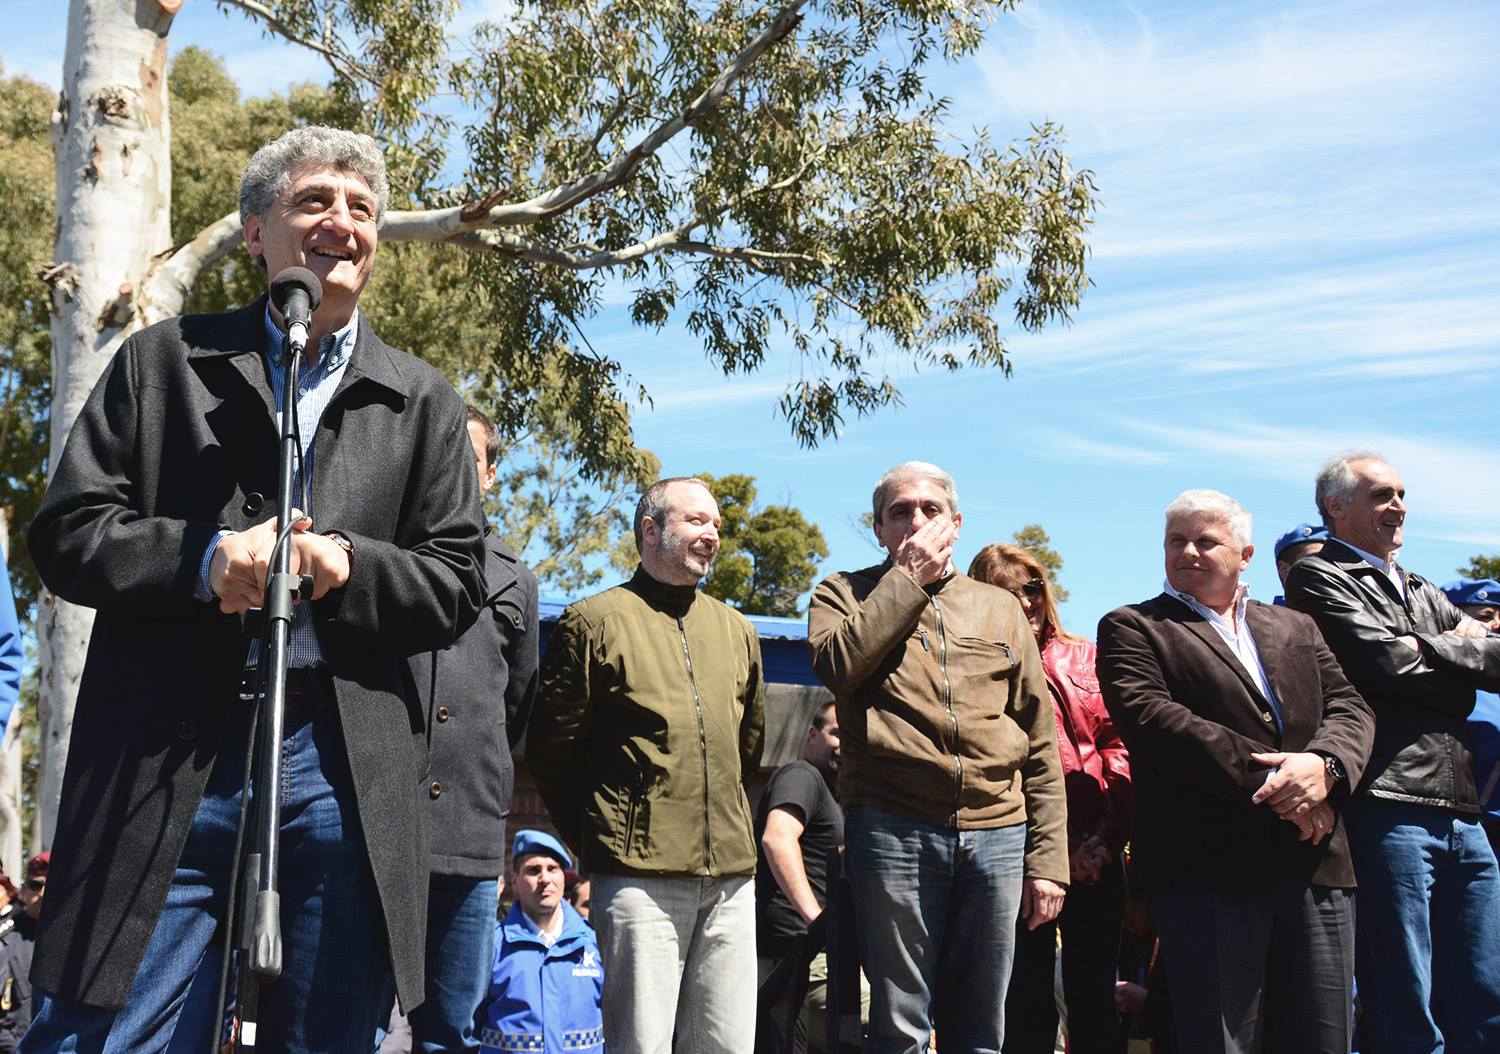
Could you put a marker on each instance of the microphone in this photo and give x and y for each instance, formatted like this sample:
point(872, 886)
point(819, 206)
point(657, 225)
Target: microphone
point(296, 293)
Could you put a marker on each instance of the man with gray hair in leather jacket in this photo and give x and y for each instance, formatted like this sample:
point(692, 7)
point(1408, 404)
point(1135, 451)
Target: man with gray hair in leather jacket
point(1428, 947)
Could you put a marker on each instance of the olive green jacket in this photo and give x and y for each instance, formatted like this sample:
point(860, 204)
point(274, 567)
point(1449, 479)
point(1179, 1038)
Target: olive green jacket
point(650, 711)
point(944, 711)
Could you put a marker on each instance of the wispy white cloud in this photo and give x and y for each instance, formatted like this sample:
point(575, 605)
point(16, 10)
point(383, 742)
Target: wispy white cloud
point(1120, 79)
point(1067, 446)
point(1453, 488)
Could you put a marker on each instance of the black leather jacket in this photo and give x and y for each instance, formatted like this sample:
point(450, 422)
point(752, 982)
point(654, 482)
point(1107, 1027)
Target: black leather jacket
point(1423, 752)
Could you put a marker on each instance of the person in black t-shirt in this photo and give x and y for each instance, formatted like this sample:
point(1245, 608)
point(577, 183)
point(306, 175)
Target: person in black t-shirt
point(797, 822)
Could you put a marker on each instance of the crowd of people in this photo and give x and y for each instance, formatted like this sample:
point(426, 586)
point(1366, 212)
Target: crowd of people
point(1193, 808)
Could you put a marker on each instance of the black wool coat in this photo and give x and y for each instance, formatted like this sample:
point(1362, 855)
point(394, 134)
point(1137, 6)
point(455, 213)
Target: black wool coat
point(477, 695)
point(1191, 716)
point(178, 431)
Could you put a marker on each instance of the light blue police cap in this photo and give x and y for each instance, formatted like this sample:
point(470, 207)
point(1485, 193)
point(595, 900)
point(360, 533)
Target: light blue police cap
point(529, 841)
point(1484, 591)
point(1303, 532)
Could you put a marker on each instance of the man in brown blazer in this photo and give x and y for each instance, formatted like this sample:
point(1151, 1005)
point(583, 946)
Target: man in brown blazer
point(1245, 738)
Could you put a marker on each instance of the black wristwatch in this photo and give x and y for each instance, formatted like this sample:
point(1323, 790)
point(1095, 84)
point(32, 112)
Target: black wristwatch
point(1335, 769)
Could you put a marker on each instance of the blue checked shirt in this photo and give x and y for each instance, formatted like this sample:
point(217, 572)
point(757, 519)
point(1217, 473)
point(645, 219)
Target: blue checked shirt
point(315, 387)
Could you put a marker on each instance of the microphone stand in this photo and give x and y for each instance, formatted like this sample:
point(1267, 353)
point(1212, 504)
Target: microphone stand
point(258, 934)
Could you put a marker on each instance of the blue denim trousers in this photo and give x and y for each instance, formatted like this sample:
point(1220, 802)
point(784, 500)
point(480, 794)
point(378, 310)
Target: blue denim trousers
point(460, 945)
point(336, 978)
point(1427, 949)
point(936, 912)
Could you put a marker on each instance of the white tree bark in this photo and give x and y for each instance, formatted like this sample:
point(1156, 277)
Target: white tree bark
point(114, 187)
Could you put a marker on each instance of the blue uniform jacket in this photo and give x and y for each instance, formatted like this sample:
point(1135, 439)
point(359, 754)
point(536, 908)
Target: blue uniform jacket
point(541, 998)
point(1484, 722)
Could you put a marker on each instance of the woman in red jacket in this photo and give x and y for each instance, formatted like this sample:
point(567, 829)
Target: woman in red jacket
point(1097, 775)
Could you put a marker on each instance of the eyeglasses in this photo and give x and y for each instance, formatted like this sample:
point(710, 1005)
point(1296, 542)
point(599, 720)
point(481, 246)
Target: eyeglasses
point(1033, 589)
point(36, 884)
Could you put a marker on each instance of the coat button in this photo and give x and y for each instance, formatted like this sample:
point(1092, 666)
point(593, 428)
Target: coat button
point(187, 731)
point(443, 713)
point(436, 790)
point(1267, 718)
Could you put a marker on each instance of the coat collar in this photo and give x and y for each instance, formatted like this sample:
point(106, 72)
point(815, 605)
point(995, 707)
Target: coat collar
point(1261, 630)
point(674, 600)
point(1340, 555)
point(518, 929)
point(240, 336)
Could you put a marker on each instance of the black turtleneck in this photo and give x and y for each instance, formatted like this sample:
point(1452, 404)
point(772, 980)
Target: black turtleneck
point(674, 600)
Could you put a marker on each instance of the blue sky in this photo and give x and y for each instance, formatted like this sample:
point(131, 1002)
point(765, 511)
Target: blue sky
point(1299, 252)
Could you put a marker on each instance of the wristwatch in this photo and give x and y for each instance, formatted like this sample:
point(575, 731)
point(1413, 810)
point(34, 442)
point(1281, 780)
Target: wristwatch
point(1335, 769)
point(343, 541)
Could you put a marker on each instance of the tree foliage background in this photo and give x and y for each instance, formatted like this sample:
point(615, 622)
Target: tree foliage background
point(1482, 567)
point(26, 225)
point(1035, 540)
point(779, 179)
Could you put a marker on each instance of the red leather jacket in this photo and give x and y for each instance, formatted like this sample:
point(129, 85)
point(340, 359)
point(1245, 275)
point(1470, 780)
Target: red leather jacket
point(1096, 769)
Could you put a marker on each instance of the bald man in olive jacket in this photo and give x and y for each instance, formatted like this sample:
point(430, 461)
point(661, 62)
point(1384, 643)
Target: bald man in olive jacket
point(650, 714)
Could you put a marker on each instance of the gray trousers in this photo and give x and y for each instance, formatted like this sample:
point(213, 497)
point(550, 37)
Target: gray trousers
point(1263, 972)
point(679, 957)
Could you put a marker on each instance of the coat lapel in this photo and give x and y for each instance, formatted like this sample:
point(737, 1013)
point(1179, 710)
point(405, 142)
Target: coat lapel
point(1269, 644)
point(371, 362)
point(1199, 627)
point(242, 341)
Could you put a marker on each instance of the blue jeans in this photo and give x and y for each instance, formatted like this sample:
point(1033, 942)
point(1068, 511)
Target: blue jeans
point(1427, 930)
point(336, 978)
point(460, 945)
point(936, 910)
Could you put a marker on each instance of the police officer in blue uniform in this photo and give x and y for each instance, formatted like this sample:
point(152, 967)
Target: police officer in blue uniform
point(1481, 600)
point(547, 982)
point(1305, 539)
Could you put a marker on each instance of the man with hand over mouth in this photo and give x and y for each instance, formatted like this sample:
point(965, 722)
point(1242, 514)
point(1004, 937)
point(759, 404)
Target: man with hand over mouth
point(950, 776)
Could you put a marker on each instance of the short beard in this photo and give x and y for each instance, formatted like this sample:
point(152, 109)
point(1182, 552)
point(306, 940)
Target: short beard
point(675, 550)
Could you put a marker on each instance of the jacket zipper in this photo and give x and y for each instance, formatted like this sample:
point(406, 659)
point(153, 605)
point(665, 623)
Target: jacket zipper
point(687, 657)
point(635, 801)
point(958, 761)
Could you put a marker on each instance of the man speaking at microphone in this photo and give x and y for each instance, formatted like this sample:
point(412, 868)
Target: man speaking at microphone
point(161, 516)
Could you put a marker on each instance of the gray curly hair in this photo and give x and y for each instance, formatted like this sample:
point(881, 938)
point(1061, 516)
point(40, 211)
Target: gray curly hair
point(1217, 504)
point(270, 170)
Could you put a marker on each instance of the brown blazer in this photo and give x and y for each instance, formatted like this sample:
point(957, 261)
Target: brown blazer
point(1191, 716)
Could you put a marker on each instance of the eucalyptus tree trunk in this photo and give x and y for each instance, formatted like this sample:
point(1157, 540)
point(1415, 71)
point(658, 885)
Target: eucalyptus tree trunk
point(114, 190)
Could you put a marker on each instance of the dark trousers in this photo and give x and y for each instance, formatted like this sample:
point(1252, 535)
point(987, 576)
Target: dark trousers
point(1090, 923)
point(1264, 972)
point(460, 946)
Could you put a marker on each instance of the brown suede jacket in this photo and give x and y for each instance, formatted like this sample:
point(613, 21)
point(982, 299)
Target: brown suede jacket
point(944, 713)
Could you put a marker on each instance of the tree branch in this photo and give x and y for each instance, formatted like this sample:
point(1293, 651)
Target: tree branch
point(342, 64)
point(176, 271)
point(428, 227)
point(448, 224)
